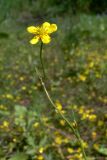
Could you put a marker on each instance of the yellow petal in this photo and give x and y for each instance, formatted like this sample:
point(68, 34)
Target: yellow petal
point(34, 40)
point(46, 38)
point(46, 25)
point(32, 29)
point(52, 28)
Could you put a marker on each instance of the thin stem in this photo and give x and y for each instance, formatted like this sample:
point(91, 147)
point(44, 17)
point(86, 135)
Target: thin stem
point(79, 137)
point(81, 144)
point(41, 47)
point(76, 133)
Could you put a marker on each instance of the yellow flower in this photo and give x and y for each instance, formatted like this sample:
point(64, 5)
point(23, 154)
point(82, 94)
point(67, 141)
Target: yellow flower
point(91, 64)
point(81, 110)
point(92, 117)
point(21, 78)
point(2, 107)
point(82, 78)
point(74, 124)
point(85, 145)
point(62, 122)
point(45, 119)
point(94, 134)
point(66, 140)
point(24, 88)
point(58, 105)
point(42, 32)
point(14, 140)
point(70, 150)
point(9, 96)
point(78, 156)
point(41, 150)
point(96, 146)
point(40, 157)
point(58, 140)
point(5, 124)
point(36, 124)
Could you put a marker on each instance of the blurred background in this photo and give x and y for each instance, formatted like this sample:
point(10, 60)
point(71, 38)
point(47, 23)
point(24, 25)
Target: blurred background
point(76, 67)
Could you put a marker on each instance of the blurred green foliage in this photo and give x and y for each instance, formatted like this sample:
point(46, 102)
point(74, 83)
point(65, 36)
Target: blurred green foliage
point(76, 65)
point(50, 7)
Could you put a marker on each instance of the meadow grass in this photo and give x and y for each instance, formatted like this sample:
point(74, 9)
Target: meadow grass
point(76, 63)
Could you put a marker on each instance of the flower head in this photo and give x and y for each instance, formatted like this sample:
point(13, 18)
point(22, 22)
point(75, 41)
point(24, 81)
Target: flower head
point(42, 32)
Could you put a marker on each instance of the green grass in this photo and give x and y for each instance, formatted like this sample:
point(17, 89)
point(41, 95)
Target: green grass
point(76, 69)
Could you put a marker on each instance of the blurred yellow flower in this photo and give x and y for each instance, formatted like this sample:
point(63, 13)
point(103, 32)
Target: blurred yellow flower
point(62, 122)
point(41, 150)
point(91, 64)
point(92, 117)
point(82, 78)
point(100, 123)
point(5, 124)
point(14, 140)
point(66, 140)
point(36, 124)
point(21, 78)
point(70, 150)
point(9, 76)
point(40, 157)
point(24, 88)
point(42, 32)
point(81, 110)
point(45, 119)
point(58, 140)
point(74, 124)
point(94, 134)
point(78, 156)
point(58, 105)
point(85, 145)
point(96, 146)
point(105, 115)
point(3, 107)
point(9, 96)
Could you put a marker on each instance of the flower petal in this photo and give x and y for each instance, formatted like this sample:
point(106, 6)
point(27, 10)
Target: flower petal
point(52, 28)
point(34, 40)
point(46, 25)
point(32, 29)
point(46, 39)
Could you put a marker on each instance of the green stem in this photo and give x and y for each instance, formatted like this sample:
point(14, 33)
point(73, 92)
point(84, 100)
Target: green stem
point(79, 137)
point(81, 144)
point(41, 47)
point(76, 133)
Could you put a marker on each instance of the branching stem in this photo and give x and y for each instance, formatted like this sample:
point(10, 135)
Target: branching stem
point(74, 130)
